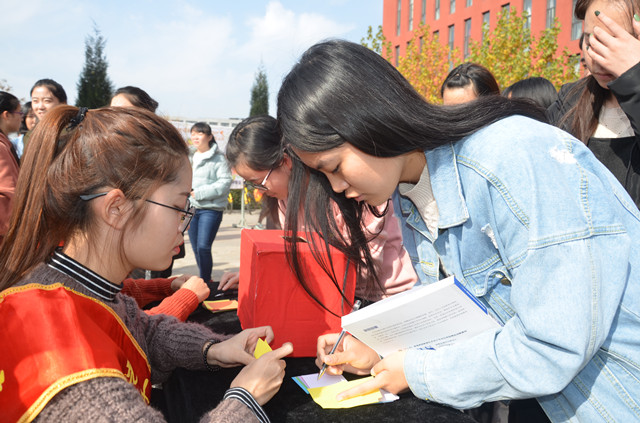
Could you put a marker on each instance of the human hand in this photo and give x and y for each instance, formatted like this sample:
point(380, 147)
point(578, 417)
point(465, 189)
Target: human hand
point(229, 280)
point(263, 377)
point(352, 356)
point(388, 375)
point(612, 47)
point(239, 349)
point(178, 281)
point(196, 285)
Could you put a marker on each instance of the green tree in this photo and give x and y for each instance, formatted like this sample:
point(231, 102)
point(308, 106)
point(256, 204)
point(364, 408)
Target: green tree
point(260, 94)
point(94, 86)
point(426, 63)
point(377, 42)
point(512, 53)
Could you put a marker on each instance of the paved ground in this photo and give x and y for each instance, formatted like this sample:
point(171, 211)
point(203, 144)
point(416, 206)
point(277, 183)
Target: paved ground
point(226, 247)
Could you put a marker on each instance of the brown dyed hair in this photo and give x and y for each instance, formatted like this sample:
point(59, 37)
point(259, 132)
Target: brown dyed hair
point(116, 148)
point(582, 118)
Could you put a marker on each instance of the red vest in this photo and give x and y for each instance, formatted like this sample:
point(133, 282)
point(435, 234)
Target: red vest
point(52, 337)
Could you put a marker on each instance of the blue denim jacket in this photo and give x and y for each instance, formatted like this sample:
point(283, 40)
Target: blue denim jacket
point(543, 235)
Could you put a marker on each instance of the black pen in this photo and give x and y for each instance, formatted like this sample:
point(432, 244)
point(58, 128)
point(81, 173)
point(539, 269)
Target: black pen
point(356, 306)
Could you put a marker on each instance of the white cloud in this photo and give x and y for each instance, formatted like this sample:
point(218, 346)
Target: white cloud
point(197, 60)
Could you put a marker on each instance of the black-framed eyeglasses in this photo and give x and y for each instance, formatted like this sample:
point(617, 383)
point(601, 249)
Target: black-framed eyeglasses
point(261, 186)
point(185, 217)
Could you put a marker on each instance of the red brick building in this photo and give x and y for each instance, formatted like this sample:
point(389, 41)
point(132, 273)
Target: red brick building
point(458, 21)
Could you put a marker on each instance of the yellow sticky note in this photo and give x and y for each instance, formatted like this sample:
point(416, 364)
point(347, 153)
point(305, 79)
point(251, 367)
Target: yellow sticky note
point(325, 396)
point(261, 348)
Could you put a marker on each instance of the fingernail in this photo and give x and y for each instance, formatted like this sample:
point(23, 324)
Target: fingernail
point(636, 17)
point(597, 12)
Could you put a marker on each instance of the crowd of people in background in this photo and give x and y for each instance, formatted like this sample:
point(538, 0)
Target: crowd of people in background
point(398, 185)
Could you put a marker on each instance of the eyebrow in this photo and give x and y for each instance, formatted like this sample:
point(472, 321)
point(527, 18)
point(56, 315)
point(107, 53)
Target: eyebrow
point(321, 164)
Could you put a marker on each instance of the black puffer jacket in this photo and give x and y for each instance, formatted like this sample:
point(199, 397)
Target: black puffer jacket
point(620, 155)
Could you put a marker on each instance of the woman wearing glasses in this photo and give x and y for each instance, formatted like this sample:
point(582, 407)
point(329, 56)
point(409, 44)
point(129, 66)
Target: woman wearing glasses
point(95, 185)
point(10, 118)
point(255, 152)
point(211, 183)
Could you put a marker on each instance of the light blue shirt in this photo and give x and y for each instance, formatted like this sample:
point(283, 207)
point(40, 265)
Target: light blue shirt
point(211, 180)
point(544, 235)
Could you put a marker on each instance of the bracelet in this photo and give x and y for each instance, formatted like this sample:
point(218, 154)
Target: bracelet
point(206, 352)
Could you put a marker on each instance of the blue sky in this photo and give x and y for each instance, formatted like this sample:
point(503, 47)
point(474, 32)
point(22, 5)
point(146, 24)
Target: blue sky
point(197, 58)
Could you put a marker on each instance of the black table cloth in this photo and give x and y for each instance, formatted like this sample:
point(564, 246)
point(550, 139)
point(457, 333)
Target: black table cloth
point(187, 395)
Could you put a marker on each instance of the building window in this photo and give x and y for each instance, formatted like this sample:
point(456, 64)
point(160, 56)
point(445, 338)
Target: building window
point(410, 15)
point(485, 22)
point(526, 8)
point(451, 35)
point(551, 12)
point(467, 36)
point(436, 34)
point(397, 55)
point(424, 11)
point(469, 3)
point(398, 20)
point(421, 43)
point(576, 25)
point(437, 10)
point(452, 7)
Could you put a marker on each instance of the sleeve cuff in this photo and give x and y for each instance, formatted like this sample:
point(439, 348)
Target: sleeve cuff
point(415, 373)
point(247, 399)
point(181, 304)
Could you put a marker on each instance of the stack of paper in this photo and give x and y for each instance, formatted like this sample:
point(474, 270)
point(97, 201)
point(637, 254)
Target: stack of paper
point(325, 390)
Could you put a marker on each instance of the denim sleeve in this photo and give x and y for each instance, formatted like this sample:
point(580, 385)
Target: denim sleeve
point(566, 296)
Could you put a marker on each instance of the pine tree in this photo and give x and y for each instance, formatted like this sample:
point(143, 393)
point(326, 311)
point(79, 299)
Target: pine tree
point(94, 86)
point(260, 94)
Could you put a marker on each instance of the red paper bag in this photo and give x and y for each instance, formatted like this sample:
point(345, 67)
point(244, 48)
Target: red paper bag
point(270, 294)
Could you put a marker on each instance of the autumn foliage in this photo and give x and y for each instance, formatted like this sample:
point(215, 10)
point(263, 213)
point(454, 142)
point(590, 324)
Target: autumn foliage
point(510, 51)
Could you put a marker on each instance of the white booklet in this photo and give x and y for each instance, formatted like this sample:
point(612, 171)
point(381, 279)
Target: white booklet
point(426, 317)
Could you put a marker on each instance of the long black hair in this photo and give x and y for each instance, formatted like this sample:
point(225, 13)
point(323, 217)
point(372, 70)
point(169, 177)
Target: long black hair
point(342, 92)
point(581, 120)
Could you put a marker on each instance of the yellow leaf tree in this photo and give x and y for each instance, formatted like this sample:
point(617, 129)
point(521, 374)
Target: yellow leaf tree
point(511, 53)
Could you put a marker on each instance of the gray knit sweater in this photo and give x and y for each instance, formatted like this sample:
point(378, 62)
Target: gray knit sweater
point(167, 342)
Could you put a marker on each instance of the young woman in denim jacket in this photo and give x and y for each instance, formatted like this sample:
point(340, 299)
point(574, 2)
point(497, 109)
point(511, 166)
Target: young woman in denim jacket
point(520, 212)
point(211, 183)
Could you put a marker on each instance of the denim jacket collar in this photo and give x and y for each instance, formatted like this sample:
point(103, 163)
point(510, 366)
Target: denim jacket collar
point(443, 169)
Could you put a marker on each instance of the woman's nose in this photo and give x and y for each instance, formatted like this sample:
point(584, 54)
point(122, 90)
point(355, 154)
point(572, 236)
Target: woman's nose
point(338, 184)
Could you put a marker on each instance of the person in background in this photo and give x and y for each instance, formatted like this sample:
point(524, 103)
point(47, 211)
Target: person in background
point(10, 118)
point(29, 121)
point(522, 214)
point(603, 109)
point(95, 186)
point(133, 97)
point(467, 82)
point(210, 189)
point(536, 88)
point(178, 296)
point(255, 152)
point(45, 94)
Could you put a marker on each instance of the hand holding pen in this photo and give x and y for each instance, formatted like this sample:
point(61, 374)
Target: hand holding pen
point(356, 306)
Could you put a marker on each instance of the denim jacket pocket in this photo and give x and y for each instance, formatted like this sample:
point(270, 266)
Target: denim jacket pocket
point(493, 288)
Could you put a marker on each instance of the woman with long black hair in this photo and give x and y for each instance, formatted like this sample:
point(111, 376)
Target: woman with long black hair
point(519, 211)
